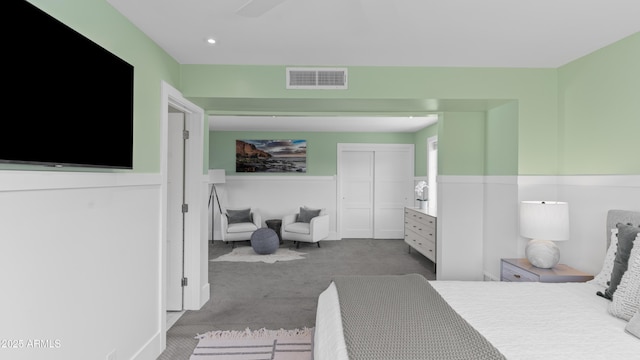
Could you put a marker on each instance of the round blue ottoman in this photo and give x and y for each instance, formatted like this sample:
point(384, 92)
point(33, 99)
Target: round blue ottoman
point(265, 241)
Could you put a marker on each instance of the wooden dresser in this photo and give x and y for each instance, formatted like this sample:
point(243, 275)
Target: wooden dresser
point(420, 232)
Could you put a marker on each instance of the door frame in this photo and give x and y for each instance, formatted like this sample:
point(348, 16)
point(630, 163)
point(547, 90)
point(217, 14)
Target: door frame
point(432, 179)
point(195, 253)
point(362, 147)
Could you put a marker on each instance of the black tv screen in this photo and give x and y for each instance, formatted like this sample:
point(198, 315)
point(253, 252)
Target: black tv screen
point(70, 101)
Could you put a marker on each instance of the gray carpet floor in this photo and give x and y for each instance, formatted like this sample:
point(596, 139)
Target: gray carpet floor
point(284, 295)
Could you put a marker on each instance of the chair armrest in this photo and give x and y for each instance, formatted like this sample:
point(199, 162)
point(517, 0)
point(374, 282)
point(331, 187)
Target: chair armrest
point(319, 227)
point(257, 219)
point(224, 225)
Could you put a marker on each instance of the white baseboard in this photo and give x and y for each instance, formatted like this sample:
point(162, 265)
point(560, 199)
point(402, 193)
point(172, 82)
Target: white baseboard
point(150, 350)
point(204, 294)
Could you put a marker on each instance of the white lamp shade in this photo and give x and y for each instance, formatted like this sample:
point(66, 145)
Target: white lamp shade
point(217, 176)
point(544, 220)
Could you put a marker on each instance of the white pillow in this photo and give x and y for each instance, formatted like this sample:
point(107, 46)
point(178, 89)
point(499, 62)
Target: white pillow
point(633, 327)
point(604, 275)
point(626, 299)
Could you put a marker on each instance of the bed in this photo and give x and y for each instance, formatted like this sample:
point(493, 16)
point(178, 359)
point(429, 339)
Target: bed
point(407, 317)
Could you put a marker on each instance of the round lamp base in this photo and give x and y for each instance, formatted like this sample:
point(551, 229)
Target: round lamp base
point(544, 254)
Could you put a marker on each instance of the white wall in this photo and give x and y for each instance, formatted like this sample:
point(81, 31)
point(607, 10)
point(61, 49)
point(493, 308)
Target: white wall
point(500, 222)
point(478, 219)
point(80, 262)
point(589, 198)
point(459, 244)
point(276, 196)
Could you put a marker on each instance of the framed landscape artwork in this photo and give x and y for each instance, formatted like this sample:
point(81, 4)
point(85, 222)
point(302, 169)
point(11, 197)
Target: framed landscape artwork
point(271, 156)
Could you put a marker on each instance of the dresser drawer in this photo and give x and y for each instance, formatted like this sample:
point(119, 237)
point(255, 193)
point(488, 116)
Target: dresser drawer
point(420, 232)
point(513, 273)
point(428, 249)
point(423, 245)
point(420, 228)
point(420, 217)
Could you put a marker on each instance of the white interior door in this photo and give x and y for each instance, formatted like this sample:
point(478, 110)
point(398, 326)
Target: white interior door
point(393, 190)
point(175, 216)
point(356, 177)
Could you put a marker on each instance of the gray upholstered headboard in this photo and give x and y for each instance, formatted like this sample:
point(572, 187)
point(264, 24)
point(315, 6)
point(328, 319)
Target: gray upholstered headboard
point(620, 216)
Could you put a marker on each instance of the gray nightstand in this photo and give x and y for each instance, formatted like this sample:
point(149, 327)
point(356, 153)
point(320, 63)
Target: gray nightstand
point(521, 270)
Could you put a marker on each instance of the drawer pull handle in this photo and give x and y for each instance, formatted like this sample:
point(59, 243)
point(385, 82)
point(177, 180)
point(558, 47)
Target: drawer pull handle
point(516, 276)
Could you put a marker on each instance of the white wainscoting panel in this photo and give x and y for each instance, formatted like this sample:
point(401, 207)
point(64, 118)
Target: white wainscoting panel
point(500, 222)
point(589, 198)
point(459, 245)
point(81, 263)
point(200, 294)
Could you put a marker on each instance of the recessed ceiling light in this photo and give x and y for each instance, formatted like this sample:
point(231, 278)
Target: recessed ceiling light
point(210, 41)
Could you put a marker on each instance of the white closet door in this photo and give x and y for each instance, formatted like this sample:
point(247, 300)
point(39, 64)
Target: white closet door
point(393, 190)
point(356, 177)
point(375, 184)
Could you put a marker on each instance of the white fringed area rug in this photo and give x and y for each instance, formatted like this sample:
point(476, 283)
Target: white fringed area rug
point(247, 254)
point(260, 344)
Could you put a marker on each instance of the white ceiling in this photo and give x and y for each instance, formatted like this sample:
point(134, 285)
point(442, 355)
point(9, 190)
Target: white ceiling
point(452, 33)
point(484, 33)
point(321, 123)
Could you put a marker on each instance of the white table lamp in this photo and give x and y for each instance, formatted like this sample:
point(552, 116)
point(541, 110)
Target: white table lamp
point(544, 222)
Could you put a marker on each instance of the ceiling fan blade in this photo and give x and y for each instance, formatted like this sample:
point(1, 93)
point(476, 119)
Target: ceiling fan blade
point(255, 8)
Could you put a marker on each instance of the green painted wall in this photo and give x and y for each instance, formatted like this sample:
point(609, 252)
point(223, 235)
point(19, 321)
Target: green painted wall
point(461, 143)
point(100, 22)
point(322, 149)
point(600, 111)
point(501, 153)
point(582, 118)
point(247, 88)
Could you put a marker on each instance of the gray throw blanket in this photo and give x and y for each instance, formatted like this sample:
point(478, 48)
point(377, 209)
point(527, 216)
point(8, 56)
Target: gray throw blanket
point(400, 317)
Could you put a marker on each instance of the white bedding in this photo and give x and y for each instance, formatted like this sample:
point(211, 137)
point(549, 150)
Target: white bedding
point(528, 320)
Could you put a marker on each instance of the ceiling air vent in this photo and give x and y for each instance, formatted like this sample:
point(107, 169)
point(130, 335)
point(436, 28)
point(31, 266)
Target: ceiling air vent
point(316, 78)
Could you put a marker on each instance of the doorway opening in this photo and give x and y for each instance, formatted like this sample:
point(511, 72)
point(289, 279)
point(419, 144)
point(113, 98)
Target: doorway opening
point(183, 266)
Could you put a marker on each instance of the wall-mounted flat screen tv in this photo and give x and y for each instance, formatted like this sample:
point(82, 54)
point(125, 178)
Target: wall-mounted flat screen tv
point(69, 102)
